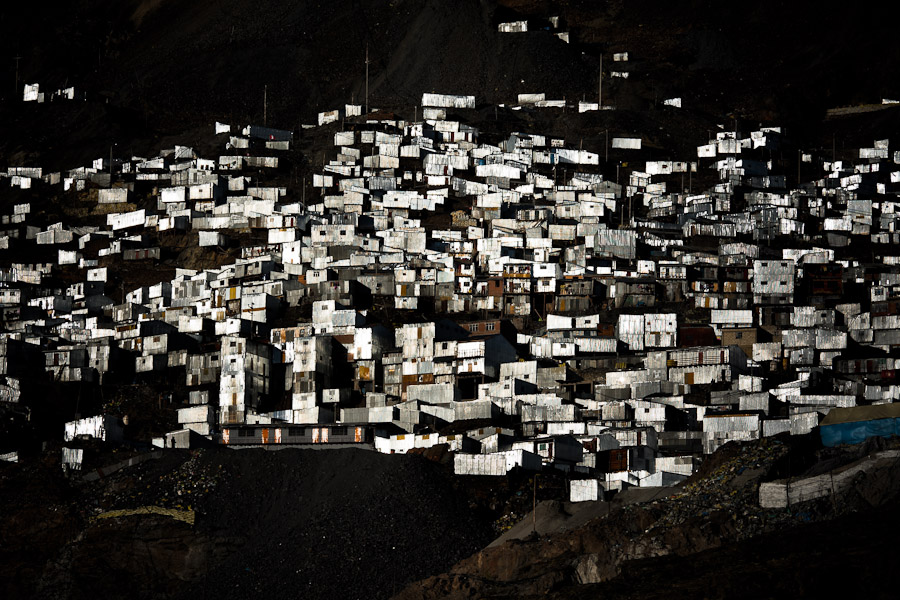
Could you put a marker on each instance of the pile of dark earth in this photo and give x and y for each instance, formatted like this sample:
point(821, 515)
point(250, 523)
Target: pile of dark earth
point(343, 523)
point(647, 548)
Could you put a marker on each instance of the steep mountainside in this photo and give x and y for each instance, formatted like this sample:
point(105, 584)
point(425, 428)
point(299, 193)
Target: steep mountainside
point(157, 67)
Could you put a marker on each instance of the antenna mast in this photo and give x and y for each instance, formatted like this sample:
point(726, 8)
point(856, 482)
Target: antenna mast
point(600, 86)
point(367, 78)
point(16, 85)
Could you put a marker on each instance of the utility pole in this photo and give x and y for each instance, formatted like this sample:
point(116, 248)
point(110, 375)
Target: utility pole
point(600, 86)
point(16, 84)
point(606, 146)
point(367, 78)
point(111, 164)
point(630, 209)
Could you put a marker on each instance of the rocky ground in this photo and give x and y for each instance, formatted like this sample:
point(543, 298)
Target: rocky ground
point(276, 524)
point(353, 523)
point(715, 515)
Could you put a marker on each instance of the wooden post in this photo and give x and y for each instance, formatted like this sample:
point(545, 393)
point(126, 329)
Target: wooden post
point(16, 83)
point(600, 86)
point(367, 78)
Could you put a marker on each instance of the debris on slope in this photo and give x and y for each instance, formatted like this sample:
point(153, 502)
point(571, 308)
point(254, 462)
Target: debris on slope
point(200, 524)
point(717, 509)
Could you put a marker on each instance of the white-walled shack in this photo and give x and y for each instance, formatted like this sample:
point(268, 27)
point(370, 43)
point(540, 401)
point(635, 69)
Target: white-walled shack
point(496, 463)
point(102, 427)
point(626, 143)
point(448, 101)
point(513, 27)
point(781, 494)
point(112, 195)
point(585, 490)
point(72, 458)
point(203, 413)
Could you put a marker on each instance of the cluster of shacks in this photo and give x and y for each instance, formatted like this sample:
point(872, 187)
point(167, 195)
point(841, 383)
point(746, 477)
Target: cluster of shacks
point(617, 329)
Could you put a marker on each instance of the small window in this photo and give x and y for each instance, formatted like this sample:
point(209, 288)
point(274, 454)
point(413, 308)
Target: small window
point(296, 431)
point(489, 326)
point(338, 431)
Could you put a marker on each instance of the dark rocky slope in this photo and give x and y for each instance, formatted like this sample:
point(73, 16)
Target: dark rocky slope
point(275, 524)
point(715, 517)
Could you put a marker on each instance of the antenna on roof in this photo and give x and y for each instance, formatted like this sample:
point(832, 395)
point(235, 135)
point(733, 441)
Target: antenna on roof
point(16, 84)
point(600, 86)
point(367, 78)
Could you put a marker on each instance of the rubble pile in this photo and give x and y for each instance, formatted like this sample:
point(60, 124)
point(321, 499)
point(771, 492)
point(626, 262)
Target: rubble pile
point(183, 487)
point(716, 514)
point(330, 524)
point(732, 489)
point(199, 524)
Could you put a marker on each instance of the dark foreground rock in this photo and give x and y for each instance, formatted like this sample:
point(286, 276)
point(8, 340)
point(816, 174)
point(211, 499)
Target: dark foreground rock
point(716, 517)
point(316, 524)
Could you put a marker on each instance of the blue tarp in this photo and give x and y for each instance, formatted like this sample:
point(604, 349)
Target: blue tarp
point(858, 431)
